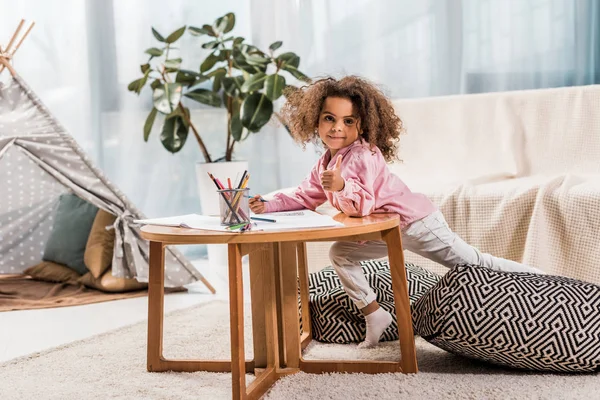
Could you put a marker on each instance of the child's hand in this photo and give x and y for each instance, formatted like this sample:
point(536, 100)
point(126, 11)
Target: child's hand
point(256, 205)
point(332, 180)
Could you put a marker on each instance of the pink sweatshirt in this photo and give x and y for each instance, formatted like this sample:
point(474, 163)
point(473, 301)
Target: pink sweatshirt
point(369, 188)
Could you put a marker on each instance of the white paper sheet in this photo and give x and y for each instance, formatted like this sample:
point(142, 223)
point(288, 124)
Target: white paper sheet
point(285, 220)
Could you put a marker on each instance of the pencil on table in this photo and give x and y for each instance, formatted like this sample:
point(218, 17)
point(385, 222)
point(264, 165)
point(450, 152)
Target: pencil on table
point(263, 219)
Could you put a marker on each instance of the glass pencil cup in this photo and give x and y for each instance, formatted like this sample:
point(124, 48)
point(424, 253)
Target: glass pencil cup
point(233, 206)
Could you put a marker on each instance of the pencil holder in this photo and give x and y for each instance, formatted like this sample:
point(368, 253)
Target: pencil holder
point(233, 206)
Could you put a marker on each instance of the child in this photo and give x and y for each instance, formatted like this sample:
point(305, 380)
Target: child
point(357, 125)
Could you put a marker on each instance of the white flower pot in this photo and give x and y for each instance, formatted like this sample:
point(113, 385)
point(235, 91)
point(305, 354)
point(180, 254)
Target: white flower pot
point(209, 202)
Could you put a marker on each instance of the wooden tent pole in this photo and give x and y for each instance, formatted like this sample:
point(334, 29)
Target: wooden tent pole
point(5, 61)
point(23, 38)
point(14, 36)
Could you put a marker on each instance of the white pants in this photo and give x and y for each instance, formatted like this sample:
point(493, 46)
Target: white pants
point(429, 237)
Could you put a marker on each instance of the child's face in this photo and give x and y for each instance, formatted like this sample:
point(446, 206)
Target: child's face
point(338, 123)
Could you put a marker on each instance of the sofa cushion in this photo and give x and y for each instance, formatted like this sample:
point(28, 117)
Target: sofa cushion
point(520, 320)
point(72, 224)
point(335, 318)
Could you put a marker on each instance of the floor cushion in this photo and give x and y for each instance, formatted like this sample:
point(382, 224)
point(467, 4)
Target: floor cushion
point(51, 272)
point(100, 244)
point(520, 320)
point(335, 318)
point(111, 284)
point(72, 224)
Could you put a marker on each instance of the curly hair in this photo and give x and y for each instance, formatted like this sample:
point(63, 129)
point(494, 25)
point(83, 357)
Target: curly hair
point(379, 123)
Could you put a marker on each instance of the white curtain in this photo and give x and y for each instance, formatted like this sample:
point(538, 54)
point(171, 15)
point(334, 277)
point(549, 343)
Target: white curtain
point(435, 47)
point(82, 54)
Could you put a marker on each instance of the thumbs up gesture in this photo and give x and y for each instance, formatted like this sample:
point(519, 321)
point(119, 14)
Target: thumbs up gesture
point(332, 180)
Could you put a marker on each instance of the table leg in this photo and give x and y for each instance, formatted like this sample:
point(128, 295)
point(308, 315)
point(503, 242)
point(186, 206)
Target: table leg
point(289, 297)
point(278, 302)
point(236, 320)
point(259, 261)
point(264, 308)
point(393, 240)
point(304, 295)
point(156, 294)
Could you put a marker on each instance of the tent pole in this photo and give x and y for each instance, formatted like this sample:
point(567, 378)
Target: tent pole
point(14, 36)
point(5, 63)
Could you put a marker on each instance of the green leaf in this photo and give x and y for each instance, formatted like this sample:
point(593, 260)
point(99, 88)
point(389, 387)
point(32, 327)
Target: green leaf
point(224, 24)
point(218, 71)
point(144, 68)
point(209, 62)
point(173, 37)
point(157, 35)
point(137, 85)
point(255, 82)
point(154, 52)
point(198, 31)
point(210, 45)
point(174, 133)
point(274, 46)
point(224, 54)
point(218, 75)
point(189, 78)
point(274, 85)
point(256, 111)
point(230, 22)
point(210, 30)
point(239, 59)
point(232, 84)
point(167, 97)
point(257, 60)
point(217, 83)
point(173, 63)
point(205, 96)
point(236, 127)
point(289, 59)
point(238, 40)
point(296, 74)
point(156, 83)
point(148, 124)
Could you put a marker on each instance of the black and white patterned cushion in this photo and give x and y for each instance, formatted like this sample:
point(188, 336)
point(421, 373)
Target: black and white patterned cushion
point(535, 322)
point(335, 318)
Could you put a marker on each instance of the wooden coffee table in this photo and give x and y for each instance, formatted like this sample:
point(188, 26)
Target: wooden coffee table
point(276, 261)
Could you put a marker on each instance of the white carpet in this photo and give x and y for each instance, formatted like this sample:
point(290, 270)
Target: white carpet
point(113, 365)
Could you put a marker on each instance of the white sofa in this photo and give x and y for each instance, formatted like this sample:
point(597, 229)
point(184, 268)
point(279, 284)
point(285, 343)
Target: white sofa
point(516, 174)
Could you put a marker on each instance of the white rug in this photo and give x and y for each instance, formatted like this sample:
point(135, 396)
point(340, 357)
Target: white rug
point(113, 365)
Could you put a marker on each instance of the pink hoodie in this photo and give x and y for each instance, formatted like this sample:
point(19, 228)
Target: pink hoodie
point(369, 188)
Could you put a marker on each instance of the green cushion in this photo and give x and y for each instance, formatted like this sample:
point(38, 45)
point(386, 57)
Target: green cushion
point(72, 225)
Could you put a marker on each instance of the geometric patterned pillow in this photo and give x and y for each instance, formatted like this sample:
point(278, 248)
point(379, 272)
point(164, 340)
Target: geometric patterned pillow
point(519, 320)
point(335, 318)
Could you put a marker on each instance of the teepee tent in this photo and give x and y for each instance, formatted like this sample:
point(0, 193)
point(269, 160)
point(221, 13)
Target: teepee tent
point(39, 161)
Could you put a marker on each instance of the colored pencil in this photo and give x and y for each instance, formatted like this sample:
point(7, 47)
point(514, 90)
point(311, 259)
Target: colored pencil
point(216, 181)
point(261, 199)
point(238, 196)
point(263, 219)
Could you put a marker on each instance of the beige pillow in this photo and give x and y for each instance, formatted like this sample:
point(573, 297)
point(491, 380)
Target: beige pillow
point(52, 272)
point(100, 245)
point(108, 283)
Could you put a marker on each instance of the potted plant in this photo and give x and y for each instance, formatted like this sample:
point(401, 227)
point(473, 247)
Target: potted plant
point(235, 75)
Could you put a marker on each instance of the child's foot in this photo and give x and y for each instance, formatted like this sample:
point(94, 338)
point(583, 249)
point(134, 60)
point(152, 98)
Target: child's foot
point(377, 323)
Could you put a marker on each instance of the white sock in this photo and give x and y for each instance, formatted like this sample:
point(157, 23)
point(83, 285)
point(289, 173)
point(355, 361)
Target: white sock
point(377, 323)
